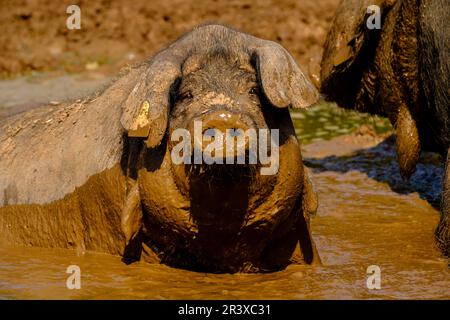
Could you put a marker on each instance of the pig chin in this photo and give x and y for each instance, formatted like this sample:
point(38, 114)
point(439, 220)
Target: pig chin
point(226, 174)
point(219, 194)
point(219, 202)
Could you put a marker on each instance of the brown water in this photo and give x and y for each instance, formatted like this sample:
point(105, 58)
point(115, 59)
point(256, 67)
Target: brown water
point(368, 216)
point(360, 223)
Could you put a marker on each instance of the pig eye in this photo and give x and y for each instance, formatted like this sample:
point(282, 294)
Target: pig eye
point(253, 91)
point(185, 96)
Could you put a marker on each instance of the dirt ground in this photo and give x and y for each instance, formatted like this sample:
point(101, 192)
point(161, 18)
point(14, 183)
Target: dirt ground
point(34, 35)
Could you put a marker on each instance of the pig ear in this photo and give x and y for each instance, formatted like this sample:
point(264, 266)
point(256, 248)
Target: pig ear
point(146, 109)
point(282, 81)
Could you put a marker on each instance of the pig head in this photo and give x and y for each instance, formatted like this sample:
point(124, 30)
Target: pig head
point(221, 211)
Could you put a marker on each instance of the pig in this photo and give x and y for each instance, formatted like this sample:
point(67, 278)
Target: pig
point(400, 70)
point(104, 173)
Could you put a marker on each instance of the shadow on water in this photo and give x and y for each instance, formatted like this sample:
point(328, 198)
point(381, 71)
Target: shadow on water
point(380, 163)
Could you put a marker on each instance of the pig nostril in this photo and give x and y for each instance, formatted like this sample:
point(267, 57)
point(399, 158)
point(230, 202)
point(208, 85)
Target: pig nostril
point(234, 132)
point(210, 132)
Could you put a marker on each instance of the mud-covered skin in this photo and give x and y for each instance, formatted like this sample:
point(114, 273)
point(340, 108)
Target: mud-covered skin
point(97, 174)
point(226, 218)
point(401, 71)
point(443, 229)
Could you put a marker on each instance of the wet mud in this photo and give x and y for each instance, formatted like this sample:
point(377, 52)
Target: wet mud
point(367, 216)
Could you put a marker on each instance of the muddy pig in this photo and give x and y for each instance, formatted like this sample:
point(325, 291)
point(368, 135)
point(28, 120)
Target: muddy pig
point(104, 173)
point(400, 70)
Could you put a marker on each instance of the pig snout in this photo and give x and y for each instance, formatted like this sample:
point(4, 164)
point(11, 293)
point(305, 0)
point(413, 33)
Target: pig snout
point(223, 120)
point(227, 129)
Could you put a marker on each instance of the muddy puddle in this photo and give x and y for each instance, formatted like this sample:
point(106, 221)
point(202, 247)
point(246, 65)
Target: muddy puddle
point(367, 216)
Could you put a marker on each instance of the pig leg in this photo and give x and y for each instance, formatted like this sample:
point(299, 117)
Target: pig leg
point(306, 249)
point(131, 219)
point(408, 143)
point(297, 245)
point(310, 201)
point(131, 216)
point(443, 230)
point(131, 224)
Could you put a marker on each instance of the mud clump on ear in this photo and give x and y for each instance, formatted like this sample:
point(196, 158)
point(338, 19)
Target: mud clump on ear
point(146, 110)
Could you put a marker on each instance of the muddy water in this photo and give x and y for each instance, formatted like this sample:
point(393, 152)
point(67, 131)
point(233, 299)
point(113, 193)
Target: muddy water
point(368, 216)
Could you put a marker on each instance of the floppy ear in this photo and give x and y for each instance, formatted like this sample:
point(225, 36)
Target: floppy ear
point(146, 110)
point(282, 81)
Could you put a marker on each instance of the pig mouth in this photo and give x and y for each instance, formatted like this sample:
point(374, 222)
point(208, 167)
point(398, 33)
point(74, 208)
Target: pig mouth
point(219, 195)
point(222, 173)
